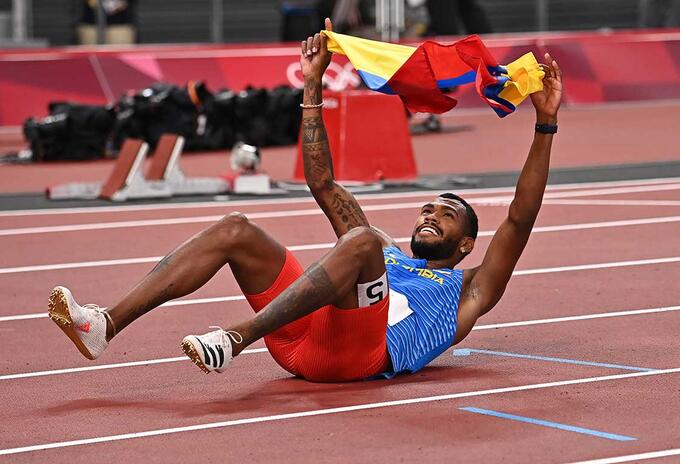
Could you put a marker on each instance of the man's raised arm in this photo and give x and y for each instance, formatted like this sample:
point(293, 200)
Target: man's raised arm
point(485, 285)
point(338, 204)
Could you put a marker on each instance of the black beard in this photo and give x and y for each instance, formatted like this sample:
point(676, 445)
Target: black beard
point(432, 251)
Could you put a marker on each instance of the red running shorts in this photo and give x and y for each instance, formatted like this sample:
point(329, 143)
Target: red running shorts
point(330, 344)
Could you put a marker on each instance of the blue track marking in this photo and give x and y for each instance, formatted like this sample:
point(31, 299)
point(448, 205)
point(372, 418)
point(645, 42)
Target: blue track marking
point(469, 351)
point(555, 425)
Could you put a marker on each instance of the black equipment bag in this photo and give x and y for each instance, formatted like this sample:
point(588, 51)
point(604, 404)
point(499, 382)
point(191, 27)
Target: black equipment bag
point(265, 118)
point(284, 115)
point(70, 132)
point(162, 108)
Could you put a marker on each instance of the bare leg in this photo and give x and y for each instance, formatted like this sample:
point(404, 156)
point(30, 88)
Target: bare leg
point(255, 259)
point(357, 258)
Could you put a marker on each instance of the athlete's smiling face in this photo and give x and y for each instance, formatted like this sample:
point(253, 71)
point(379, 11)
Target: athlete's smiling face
point(440, 228)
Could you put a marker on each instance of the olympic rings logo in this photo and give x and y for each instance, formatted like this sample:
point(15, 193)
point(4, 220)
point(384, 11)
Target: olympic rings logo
point(336, 78)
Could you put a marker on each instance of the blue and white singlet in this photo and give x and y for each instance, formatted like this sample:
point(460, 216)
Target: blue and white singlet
point(423, 310)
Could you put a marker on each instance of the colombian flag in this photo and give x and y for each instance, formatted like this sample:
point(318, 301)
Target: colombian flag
point(417, 74)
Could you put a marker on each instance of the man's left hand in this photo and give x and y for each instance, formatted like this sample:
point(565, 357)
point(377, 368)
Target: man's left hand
point(547, 101)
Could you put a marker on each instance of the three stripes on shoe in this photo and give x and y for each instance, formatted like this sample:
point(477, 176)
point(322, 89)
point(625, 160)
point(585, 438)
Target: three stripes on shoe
point(211, 355)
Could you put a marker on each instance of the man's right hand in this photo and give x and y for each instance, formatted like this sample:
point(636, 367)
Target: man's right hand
point(315, 56)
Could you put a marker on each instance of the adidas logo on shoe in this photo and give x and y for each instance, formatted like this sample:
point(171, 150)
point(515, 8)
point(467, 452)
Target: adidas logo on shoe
point(211, 352)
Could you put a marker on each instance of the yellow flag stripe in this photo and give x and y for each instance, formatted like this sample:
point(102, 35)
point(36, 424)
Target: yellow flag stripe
point(378, 58)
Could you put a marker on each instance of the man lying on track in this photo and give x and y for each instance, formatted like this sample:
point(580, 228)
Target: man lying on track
point(366, 308)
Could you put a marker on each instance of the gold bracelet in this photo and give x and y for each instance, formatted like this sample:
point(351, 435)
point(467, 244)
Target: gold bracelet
point(309, 107)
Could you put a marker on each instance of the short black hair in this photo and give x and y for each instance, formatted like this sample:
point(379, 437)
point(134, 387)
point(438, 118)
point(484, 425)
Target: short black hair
point(473, 223)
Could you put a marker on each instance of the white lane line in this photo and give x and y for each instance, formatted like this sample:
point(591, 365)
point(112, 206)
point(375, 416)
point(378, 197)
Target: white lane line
point(76, 265)
point(633, 457)
point(598, 225)
point(310, 212)
point(328, 245)
point(613, 202)
point(259, 202)
point(522, 272)
point(328, 411)
point(272, 201)
point(613, 191)
point(194, 301)
point(583, 267)
point(100, 367)
point(583, 317)
point(141, 260)
point(23, 317)
point(191, 220)
point(556, 320)
point(277, 201)
point(506, 199)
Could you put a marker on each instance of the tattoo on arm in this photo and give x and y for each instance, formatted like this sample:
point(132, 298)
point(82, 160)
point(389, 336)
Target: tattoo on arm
point(348, 210)
point(340, 206)
point(320, 290)
point(315, 151)
point(313, 91)
point(307, 294)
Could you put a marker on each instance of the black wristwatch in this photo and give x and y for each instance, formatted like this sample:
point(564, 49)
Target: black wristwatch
point(546, 128)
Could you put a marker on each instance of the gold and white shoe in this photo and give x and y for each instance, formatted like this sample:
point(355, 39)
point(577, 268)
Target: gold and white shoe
point(84, 325)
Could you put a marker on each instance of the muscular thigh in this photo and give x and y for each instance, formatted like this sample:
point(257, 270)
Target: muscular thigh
point(257, 259)
point(370, 280)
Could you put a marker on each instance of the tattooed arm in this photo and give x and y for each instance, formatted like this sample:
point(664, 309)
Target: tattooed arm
point(337, 203)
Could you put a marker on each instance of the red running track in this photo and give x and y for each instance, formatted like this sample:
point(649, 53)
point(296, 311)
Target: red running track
point(623, 235)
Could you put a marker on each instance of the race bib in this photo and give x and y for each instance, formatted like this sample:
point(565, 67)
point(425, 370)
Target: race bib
point(372, 292)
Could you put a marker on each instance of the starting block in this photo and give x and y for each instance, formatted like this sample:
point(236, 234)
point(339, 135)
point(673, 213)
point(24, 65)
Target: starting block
point(124, 183)
point(165, 168)
point(369, 137)
point(127, 182)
